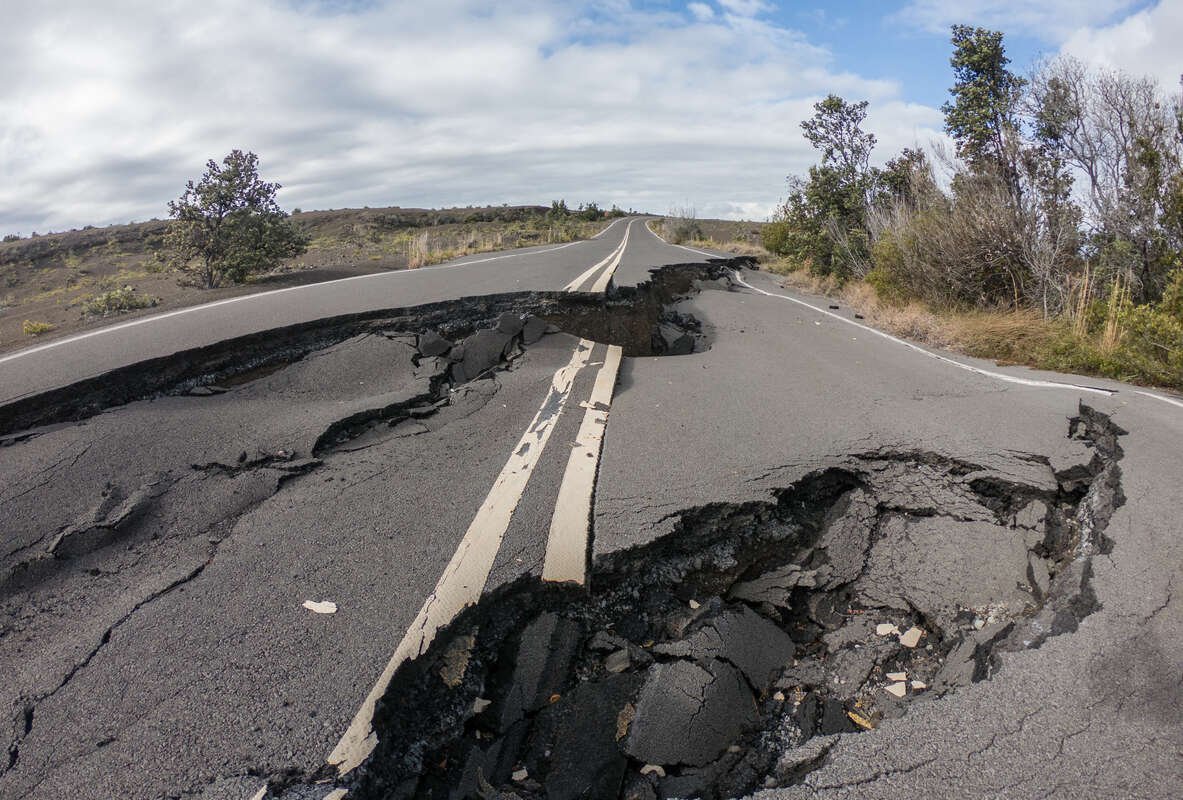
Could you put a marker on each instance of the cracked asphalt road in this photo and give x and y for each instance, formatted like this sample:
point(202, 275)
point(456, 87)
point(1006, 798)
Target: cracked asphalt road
point(156, 555)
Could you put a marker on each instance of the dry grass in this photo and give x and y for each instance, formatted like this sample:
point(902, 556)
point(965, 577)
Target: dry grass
point(1007, 336)
point(735, 247)
point(435, 247)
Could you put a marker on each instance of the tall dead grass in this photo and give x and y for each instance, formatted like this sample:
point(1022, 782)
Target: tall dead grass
point(1007, 336)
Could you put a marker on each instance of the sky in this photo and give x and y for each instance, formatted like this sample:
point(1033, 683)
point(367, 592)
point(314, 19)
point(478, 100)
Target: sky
point(107, 107)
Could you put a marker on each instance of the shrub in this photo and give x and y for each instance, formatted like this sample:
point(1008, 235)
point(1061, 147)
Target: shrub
point(31, 328)
point(681, 225)
point(775, 236)
point(116, 301)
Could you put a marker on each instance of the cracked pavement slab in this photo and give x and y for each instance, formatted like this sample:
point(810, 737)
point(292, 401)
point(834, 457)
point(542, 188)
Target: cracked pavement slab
point(215, 671)
point(160, 551)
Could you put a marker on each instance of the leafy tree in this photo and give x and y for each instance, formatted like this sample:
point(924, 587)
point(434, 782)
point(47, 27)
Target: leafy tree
point(824, 221)
point(230, 224)
point(836, 130)
point(906, 177)
point(982, 117)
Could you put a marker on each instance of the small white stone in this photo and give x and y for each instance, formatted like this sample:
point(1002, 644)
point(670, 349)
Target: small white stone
point(480, 704)
point(919, 686)
point(897, 676)
point(979, 623)
point(897, 689)
point(653, 769)
point(323, 607)
point(886, 629)
point(911, 637)
point(520, 775)
point(779, 697)
point(694, 604)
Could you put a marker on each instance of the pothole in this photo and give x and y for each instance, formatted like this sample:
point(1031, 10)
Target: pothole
point(700, 664)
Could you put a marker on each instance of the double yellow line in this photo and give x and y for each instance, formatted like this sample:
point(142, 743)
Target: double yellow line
point(463, 580)
point(608, 265)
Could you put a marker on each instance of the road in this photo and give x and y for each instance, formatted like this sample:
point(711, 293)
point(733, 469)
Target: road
point(538, 546)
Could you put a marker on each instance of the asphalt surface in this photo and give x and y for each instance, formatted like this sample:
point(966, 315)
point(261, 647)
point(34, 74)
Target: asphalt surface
point(156, 556)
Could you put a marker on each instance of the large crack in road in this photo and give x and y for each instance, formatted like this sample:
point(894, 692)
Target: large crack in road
point(112, 517)
point(714, 661)
point(702, 664)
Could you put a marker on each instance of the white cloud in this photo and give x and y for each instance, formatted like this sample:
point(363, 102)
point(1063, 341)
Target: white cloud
point(107, 108)
point(744, 8)
point(1145, 43)
point(1049, 20)
point(701, 11)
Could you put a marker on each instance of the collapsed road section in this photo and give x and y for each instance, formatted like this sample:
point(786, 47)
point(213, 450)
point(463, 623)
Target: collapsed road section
point(702, 664)
point(120, 493)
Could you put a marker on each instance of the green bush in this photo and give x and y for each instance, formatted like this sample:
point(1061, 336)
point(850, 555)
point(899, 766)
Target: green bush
point(116, 301)
point(775, 237)
point(31, 328)
point(887, 276)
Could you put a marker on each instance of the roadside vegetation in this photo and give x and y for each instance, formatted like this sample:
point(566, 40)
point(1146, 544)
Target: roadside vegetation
point(116, 301)
point(682, 226)
point(228, 226)
point(1052, 236)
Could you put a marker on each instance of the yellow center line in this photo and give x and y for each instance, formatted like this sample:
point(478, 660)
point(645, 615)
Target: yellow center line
point(463, 580)
point(570, 526)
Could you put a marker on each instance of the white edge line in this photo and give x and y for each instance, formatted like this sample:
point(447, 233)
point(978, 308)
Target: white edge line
point(463, 579)
point(1160, 397)
point(570, 524)
point(256, 295)
point(998, 375)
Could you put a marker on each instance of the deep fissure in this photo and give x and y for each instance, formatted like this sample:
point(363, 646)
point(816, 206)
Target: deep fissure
point(456, 343)
point(638, 318)
point(704, 663)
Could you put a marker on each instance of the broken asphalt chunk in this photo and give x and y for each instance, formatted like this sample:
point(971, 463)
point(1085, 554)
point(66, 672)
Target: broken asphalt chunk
point(510, 323)
point(545, 653)
point(750, 642)
point(775, 586)
point(478, 353)
point(534, 329)
point(707, 708)
point(431, 344)
point(574, 749)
